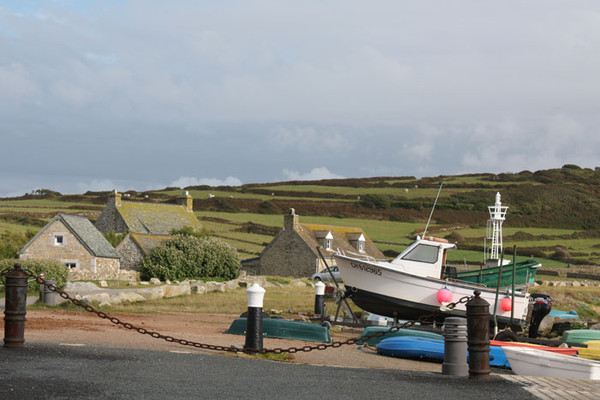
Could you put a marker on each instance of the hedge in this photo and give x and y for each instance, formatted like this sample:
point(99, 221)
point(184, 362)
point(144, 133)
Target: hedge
point(52, 269)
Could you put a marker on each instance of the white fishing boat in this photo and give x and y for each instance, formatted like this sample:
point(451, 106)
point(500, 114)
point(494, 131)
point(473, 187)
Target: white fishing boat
point(533, 362)
point(417, 283)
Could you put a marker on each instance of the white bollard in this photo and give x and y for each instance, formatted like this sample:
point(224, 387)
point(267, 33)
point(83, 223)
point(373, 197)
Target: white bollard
point(254, 329)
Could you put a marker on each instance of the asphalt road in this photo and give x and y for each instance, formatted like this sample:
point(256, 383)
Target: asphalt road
point(43, 371)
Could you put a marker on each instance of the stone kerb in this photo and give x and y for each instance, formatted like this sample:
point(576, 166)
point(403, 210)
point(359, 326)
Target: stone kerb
point(155, 289)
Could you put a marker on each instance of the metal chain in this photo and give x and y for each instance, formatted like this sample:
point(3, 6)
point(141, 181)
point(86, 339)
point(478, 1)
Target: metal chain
point(291, 350)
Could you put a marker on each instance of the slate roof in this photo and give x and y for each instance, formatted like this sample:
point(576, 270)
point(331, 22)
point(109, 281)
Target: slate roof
point(341, 238)
point(85, 232)
point(156, 218)
point(147, 243)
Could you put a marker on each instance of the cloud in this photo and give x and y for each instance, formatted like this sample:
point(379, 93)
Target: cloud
point(314, 175)
point(313, 139)
point(185, 181)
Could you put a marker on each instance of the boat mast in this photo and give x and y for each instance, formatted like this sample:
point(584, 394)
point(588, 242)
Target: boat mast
point(494, 230)
point(433, 208)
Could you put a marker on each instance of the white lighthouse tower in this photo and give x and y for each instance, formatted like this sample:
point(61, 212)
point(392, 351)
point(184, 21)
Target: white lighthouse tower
point(494, 232)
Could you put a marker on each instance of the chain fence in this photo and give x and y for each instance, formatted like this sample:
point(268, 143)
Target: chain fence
point(234, 349)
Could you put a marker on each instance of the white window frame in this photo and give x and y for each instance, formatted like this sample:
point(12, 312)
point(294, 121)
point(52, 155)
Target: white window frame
point(328, 241)
point(360, 246)
point(70, 262)
point(62, 239)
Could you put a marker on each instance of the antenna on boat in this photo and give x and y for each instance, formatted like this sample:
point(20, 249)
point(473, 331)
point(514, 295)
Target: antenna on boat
point(433, 208)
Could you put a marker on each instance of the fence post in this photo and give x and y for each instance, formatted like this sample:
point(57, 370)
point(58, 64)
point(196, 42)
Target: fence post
point(42, 290)
point(319, 298)
point(254, 328)
point(455, 347)
point(478, 340)
point(15, 307)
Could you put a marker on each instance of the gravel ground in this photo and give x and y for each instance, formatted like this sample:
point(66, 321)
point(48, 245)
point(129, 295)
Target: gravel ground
point(82, 328)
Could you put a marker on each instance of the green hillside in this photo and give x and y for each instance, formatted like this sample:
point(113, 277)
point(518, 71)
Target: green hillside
point(554, 215)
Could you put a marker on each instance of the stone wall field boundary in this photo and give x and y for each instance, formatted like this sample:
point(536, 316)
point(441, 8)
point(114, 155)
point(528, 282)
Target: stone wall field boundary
point(89, 292)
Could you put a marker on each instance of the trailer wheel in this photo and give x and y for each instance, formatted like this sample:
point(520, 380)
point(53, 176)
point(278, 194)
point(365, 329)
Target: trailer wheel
point(506, 336)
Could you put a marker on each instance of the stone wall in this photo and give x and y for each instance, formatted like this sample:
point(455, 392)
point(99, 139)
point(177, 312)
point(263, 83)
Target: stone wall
point(106, 268)
point(288, 255)
point(110, 219)
point(131, 254)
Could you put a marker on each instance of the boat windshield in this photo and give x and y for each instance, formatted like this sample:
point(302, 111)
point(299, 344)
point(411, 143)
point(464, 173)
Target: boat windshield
point(423, 253)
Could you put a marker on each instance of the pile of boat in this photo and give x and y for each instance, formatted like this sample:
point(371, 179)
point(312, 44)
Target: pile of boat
point(581, 360)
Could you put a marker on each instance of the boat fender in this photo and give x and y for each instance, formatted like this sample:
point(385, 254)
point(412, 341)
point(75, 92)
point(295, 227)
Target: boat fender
point(434, 239)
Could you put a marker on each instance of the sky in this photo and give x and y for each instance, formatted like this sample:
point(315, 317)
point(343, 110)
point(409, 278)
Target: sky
point(140, 95)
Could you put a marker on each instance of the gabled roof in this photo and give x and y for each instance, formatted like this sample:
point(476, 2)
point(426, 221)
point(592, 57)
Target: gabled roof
point(155, 218)
point(147, 243)
point(85, 232)
point(342, 235)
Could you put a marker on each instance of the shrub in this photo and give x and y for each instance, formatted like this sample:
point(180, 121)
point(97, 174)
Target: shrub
point(114, 238)
point(184, 257)
point(52, 269)
point(378, 201)
point(189, 231)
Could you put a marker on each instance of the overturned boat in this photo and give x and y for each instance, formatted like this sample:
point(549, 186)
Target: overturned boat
point(417, 282)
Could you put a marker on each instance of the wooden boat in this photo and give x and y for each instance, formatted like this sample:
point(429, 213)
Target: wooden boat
point(415, 284)
point(580, 335)
point(568, 351)
point(524, 274)
point(533, 362)
point(370, 330)
point(428, 349)
point(285, 329)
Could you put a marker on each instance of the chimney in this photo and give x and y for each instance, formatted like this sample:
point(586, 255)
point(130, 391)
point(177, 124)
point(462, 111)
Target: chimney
point(186, 201)
point(290, 220)
point(115, 198)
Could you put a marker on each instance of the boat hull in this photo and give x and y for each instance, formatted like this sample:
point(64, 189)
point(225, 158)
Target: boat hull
point(385, 291)
point(524, 274)
point(526, 361)
point(284, 329)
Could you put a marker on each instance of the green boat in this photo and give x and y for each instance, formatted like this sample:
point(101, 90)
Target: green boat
point(580, 335)
point(285, 329)
point(370, 330)
point(524, 274)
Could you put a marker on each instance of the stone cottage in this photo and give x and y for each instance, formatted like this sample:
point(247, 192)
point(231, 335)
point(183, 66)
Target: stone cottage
point(144, 217)
point(293, 252)
point(147, 224)
point(74, 241)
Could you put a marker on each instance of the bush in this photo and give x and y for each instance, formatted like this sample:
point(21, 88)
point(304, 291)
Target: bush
point(52, 269)
point(185, 257)
point(189, 231)
point(378, 201)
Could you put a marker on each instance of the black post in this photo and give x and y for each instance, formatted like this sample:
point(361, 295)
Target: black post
point(455, 347)
point(254, 328)
point(15, 308)
point(478, 340)
point(319, 298)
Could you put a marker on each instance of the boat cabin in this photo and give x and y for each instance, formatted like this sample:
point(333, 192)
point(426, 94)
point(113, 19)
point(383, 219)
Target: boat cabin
point(425, 257)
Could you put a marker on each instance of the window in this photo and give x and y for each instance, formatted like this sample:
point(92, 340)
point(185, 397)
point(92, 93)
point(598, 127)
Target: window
point(328, 241)
point(71, 265)
point(361, 245)
point(423, 253)
point(59, 240)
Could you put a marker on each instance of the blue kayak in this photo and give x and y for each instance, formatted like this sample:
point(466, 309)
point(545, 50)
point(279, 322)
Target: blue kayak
point(371, 330)
point(429, 350)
